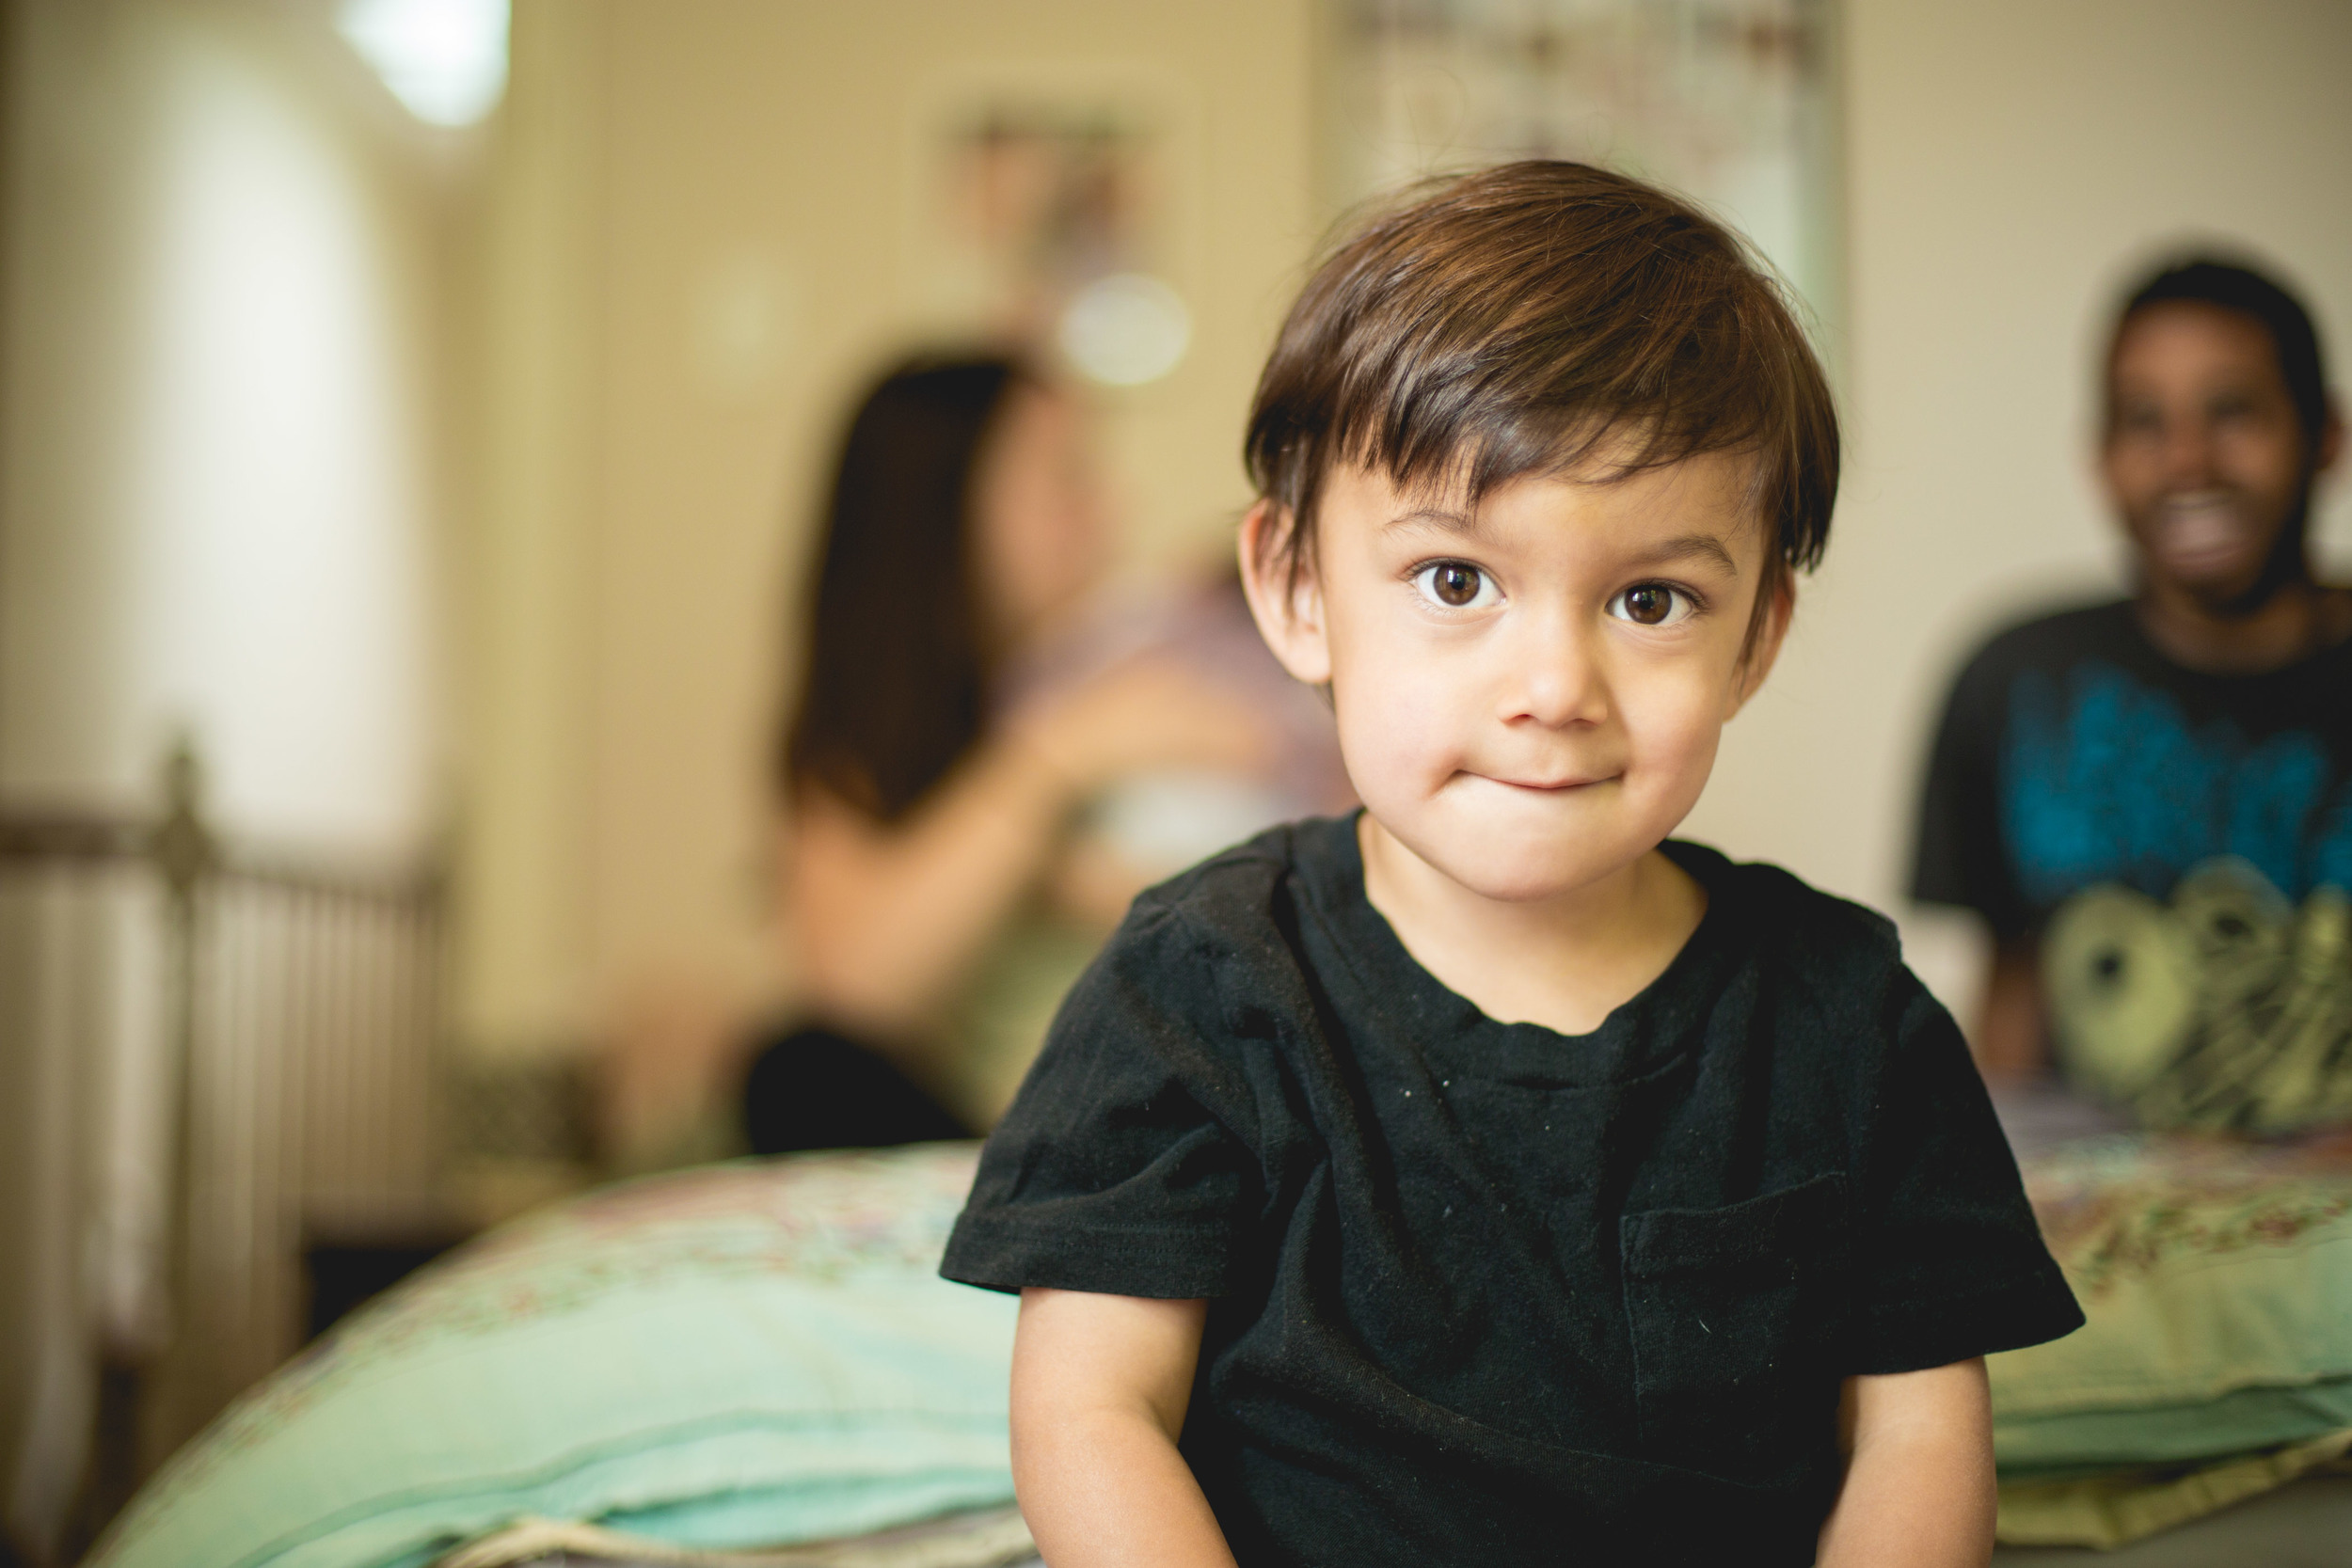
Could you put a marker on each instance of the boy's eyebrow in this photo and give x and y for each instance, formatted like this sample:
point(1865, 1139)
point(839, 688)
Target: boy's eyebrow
point(1437, 517)
point(1689, 545)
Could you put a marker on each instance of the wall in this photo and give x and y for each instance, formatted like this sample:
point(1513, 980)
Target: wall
point(696, 157)
point(2010, 166)
point(220, 497)
point(525, 569)
point(218, 488)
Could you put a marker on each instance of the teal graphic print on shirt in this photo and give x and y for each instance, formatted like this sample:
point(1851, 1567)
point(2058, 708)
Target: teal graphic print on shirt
point(2199, 964)
point(2105, 782)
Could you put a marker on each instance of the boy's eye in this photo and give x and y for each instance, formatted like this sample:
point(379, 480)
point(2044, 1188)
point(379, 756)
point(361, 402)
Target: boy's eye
point(1455, 584)
point(1651, 604)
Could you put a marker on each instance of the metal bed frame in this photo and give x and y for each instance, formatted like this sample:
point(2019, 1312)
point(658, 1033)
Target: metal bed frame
point(227, 1045)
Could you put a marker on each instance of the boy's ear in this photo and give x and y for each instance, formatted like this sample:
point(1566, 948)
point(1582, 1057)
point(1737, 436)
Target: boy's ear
point(1770, 631)
point(1287, 608)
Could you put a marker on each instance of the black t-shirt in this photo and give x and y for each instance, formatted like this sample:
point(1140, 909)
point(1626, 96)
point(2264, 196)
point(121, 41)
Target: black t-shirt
point(1481, 1292)
point(2073, 754)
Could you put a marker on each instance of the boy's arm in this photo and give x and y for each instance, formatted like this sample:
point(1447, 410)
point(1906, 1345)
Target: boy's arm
point(1099, 1385)
point(1919, 1490)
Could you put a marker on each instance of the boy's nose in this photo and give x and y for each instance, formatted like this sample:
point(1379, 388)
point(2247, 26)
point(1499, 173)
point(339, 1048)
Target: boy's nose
point(1558, 681)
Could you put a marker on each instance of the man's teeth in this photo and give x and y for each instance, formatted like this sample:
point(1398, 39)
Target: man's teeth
point(2201, 522)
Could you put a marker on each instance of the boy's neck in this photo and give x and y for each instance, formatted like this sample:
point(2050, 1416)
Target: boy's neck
point(2297, 619)
point(1565, 962)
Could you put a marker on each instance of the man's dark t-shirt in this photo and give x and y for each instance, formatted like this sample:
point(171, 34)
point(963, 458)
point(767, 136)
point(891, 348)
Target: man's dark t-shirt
point(1479, 1293)
point(2074, 754)
point(2177, 844)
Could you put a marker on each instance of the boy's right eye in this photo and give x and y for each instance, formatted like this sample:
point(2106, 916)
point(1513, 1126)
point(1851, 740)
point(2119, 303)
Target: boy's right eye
point(1454, 585)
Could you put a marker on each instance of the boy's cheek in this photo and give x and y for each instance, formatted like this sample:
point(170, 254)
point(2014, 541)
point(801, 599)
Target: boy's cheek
point(1395, 738)
point(1676, 746)
point(1405, 728)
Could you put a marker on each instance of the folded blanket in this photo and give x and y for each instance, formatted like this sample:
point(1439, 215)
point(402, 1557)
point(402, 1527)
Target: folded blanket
point(2217, 1277)
point(989, 1538)
point(2107, 1511)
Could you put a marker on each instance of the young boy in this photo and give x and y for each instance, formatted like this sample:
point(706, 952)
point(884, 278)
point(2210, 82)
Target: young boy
point(1484, 1179)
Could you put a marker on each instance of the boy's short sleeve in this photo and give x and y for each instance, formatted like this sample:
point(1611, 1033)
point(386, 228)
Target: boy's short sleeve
point(1123, 1165)
point(1947, 1260)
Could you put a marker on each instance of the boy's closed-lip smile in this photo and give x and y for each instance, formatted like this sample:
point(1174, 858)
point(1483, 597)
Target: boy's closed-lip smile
point(1545, 786)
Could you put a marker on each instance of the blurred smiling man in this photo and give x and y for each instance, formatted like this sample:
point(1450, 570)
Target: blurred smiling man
point(2217, 426)
point(2150, 802)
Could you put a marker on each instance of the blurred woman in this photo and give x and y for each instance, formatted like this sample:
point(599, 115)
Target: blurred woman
point(938, 899)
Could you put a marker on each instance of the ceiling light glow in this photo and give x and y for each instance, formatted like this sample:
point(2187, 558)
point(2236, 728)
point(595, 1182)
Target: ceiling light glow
point(444, 60)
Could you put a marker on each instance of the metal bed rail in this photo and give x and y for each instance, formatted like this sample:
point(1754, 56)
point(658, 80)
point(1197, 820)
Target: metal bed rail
point(221, 1044)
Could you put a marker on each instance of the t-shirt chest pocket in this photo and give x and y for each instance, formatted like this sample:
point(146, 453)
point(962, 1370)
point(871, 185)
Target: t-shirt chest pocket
point(1733, 1313)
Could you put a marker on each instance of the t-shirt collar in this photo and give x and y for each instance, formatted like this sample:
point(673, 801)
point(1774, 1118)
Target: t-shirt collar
point(1642, 1036)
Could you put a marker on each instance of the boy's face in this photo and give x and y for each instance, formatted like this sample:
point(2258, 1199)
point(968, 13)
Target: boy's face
point(2205, 455)
point(1529, 692)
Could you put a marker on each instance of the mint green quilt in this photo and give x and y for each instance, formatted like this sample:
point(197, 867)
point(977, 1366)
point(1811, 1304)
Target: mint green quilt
point(750, 1354)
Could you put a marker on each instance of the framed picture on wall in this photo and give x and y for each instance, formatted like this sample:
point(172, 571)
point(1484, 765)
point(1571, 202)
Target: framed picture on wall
point(1731, 102)
point(1050, 213)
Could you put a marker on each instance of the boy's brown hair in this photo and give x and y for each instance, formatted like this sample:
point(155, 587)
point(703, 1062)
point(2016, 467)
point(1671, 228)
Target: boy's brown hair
point(1530, 318)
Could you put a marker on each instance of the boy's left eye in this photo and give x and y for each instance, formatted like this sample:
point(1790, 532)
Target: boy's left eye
point(1456, 585)
point(1651, 604)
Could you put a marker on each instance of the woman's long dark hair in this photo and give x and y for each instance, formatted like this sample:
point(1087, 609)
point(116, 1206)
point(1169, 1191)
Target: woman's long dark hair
point(893, 685)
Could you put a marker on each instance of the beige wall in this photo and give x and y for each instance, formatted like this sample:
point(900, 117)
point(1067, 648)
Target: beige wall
point(219, 508)
point(227, 256)
point(527, 564)
point(2008, 163)
point(707, 145)
point(2011, 163)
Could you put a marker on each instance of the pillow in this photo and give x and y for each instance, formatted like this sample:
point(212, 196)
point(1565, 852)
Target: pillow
point(2217, 1279)
point(2206, 1268)
point(750, 1354)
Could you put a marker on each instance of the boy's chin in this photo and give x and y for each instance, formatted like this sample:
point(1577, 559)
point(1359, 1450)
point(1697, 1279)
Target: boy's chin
point(1519, 882)
point(1510, 868)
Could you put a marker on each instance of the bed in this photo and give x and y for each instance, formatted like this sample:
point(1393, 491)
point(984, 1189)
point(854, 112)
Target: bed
point(754, 1363)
